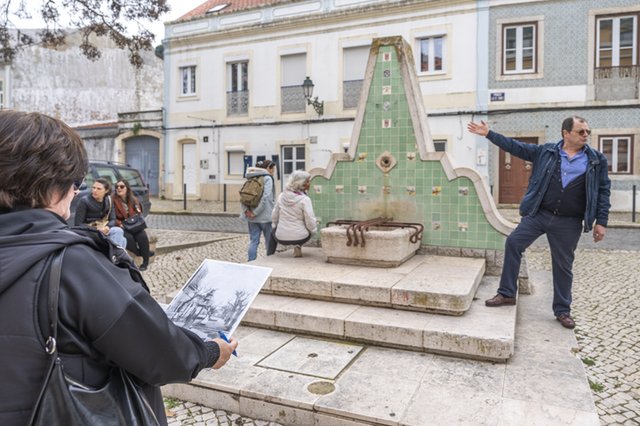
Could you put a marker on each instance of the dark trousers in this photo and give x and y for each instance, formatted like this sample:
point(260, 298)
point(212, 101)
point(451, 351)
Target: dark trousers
point(138, 244)
point(563, 234)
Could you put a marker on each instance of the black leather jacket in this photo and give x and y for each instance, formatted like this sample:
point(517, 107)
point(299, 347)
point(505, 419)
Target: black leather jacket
point(90, 210)
point(106, 317)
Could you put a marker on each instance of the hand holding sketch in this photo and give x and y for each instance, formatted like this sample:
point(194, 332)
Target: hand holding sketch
point(216, 298)
point(227, 348)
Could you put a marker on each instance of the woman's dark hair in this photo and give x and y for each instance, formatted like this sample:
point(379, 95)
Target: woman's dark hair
point(130, 198)
point(106, 183)
point(39, 156)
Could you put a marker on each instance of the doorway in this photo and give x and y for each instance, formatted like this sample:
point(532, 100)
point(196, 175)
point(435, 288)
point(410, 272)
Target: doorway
point(514, 175)
point(142, 153)
point(189, 168)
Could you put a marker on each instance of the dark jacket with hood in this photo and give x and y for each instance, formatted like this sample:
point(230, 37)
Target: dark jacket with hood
point(106, 317)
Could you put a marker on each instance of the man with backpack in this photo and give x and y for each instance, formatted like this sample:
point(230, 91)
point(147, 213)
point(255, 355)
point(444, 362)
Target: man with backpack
point(257, 198)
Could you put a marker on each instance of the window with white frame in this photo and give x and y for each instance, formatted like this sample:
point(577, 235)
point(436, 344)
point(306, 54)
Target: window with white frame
point(618, 150)
point(354, 67)
point(431, 54)
point(617, 41)
point(188, 80)
point(293, 158)
point(519, 48)
point(237, 88)
point(235, 162)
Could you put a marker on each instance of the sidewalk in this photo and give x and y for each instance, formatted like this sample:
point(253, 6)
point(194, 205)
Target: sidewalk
point(159, 206)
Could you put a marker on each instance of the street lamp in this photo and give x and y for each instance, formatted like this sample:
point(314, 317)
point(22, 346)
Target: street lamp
point(307, 89)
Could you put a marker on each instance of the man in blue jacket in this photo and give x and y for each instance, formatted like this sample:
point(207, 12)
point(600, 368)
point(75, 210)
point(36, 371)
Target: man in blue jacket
point(568, 192)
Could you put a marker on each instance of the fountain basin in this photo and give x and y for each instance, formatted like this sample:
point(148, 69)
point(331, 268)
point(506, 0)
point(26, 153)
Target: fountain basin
point(384, 247)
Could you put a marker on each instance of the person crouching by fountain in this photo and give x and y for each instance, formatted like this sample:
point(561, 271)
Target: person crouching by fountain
point(293, 216)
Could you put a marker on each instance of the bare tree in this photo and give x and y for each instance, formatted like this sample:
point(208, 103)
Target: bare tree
point(123, 21)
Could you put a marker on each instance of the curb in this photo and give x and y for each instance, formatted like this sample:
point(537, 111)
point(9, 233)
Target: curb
point(189, 213)
point(176, 247)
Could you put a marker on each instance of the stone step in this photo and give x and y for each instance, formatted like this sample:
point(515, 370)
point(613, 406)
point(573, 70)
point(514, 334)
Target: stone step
point(481, 333)
point(424, 283)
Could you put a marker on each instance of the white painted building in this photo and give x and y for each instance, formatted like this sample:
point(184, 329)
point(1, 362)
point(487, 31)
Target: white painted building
point(234, 70)
point(233, 77)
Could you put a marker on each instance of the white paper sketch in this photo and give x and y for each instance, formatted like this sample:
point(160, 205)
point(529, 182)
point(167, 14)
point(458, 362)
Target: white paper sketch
point(216, 297)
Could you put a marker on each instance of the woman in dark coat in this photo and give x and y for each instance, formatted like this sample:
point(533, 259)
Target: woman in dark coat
point(106, 317)
point(127, 205)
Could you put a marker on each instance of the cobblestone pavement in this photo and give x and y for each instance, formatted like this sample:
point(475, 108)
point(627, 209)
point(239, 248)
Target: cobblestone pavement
point(606, 305)
point(197, 222)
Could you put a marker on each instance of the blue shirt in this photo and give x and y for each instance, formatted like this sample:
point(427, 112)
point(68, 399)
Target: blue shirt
point(571, 168)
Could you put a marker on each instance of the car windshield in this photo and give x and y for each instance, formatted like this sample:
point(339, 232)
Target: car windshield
point(108, 173)
point(132, 176)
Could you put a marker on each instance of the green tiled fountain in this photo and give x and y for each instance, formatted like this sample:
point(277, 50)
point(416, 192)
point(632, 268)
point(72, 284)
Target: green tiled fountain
point(420, 186)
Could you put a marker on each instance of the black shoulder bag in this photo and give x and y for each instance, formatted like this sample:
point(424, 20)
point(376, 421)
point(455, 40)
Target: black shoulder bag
point(63, 401)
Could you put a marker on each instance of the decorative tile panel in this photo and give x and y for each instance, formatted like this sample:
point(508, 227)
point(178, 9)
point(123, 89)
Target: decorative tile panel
point(422, 186)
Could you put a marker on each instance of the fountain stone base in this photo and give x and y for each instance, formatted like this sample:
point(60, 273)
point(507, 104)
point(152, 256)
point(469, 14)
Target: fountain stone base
point(384, 247)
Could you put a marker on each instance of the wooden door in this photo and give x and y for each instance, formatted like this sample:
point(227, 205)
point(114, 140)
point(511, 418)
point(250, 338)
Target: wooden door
point(514, 176)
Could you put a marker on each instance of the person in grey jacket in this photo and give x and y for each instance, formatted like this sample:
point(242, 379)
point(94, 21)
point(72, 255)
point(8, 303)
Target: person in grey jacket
point(259, 218)
point(568, 192)
point(293, 214)
point(107, 318)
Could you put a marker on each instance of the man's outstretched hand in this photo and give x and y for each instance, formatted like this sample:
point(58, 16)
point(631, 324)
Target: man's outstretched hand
point(481, 128)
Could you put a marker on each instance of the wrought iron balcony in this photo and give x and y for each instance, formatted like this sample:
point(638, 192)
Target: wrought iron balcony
point(238, 103)
point(293, 99)
point(617, 83)
point(351, 93)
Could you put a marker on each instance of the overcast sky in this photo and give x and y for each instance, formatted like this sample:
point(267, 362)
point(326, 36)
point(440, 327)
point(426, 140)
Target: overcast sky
point(178, 8)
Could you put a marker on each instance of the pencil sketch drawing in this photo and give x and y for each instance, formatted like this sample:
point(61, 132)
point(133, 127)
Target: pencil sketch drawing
point(216, 297)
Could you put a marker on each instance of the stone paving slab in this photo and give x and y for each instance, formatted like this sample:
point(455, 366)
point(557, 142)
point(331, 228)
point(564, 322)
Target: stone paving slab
point(426, 283)
point(396, 387)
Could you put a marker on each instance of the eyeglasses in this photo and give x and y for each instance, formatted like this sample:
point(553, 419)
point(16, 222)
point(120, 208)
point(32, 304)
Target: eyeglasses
point(583, 132)
point(120, 186)
point(77, 184)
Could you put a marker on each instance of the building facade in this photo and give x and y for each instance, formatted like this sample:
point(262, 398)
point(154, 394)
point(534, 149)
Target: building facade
point(89, 95)
point(233, 83)
point(553, 59)
point(234, 75)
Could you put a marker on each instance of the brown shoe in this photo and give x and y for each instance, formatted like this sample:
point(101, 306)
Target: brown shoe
point(499, 300)
point(566, 321)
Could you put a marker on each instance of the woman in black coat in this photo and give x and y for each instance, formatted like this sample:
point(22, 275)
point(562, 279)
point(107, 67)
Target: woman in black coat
point(106, 317)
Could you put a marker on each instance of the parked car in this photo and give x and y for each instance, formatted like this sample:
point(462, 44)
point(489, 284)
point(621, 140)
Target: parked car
point(113, 172)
